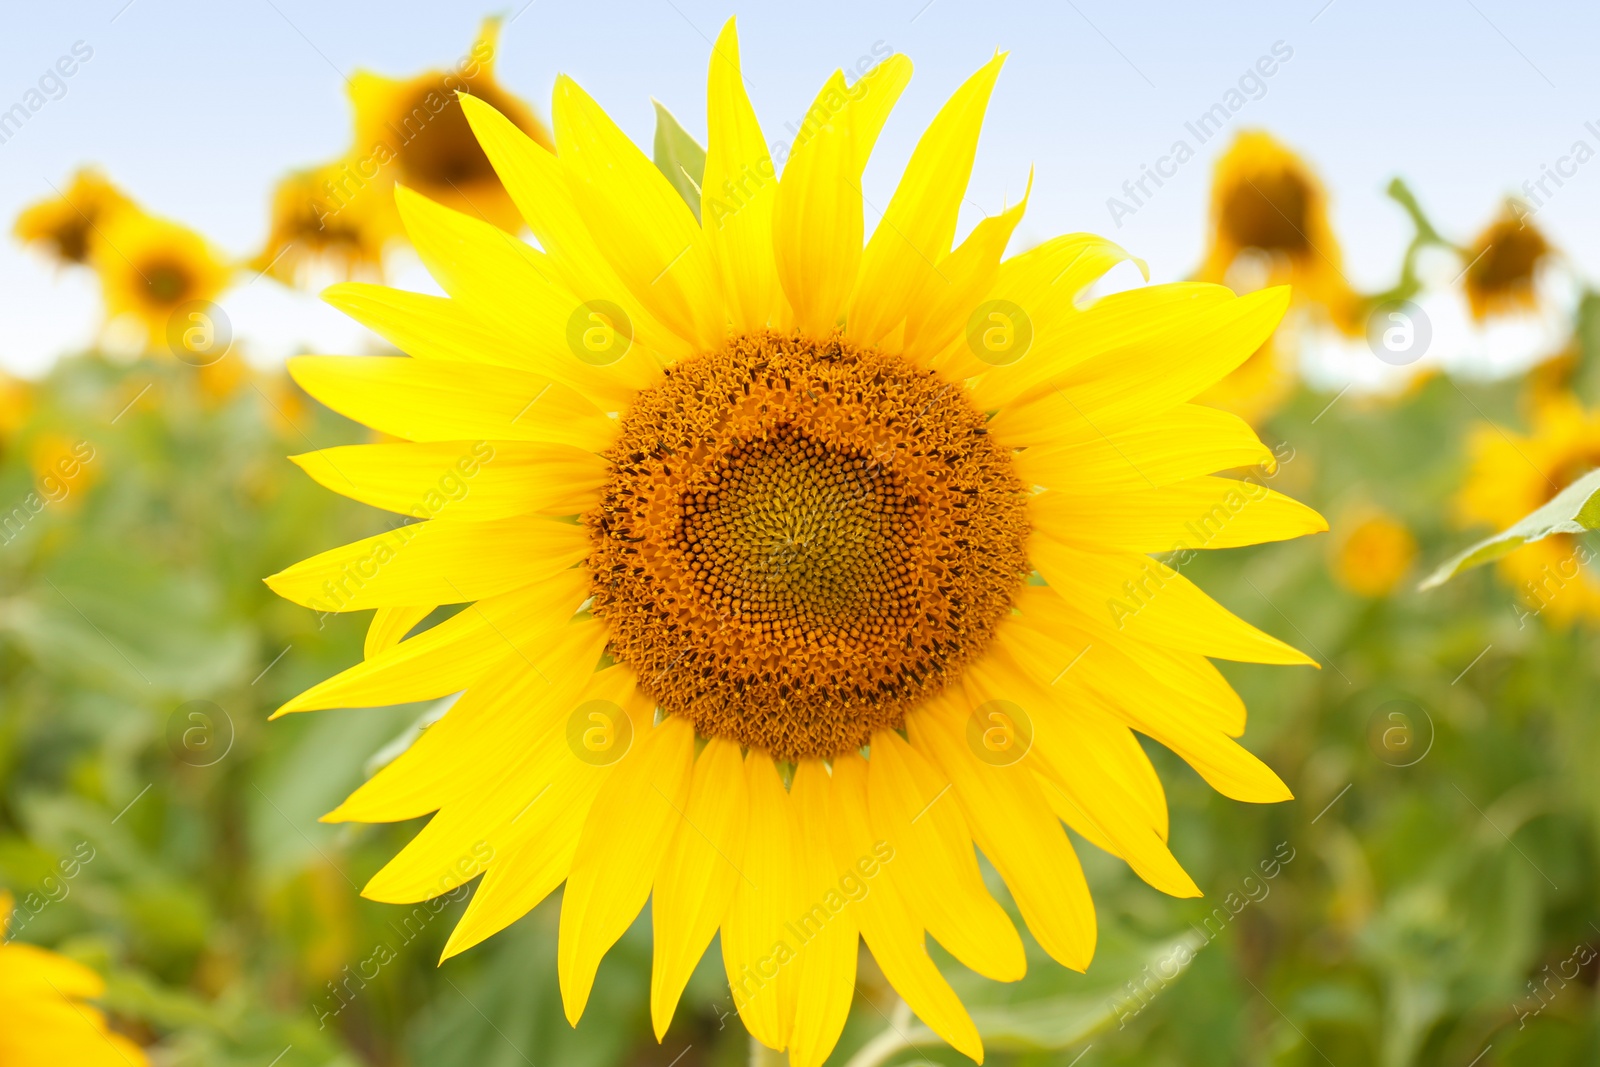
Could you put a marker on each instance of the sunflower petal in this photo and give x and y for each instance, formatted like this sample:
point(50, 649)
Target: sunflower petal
point(816, 218)
point(935, 869)
point(646, 231)
point(919, 224)
point(623, 839)
point(699, 874)
point(422, 400)
point(441, 562)
point(740, 185)
point(389, 627)
point(763, 904)
point(466, 480)
point(825, 972)
point(1193, 514)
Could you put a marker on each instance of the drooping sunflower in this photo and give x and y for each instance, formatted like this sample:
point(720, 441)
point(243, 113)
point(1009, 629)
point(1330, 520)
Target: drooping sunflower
point(1512, 474)
point(149, 267)
point(793, 569)
point(44, 1020)
point(413, 131)
point(1269, 226)
point(1503, 264)
point(327, 217)
point(65, 225)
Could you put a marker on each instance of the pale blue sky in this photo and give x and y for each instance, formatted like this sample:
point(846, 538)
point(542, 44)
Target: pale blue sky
point(196, 108)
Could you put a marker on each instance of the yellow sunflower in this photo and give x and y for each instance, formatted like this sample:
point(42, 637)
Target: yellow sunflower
point(793, 569)
point(44, 1021)
point(1269, 226)
point(65, 225)
point(1512, 474)
point(321, 217)
point(1503, 264)
point(412, 130)
point(150, 267)
point(1373, 555)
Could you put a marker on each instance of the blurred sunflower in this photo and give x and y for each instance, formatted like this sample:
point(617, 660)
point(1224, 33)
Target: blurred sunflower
point(1511, 475)
point(65, 225)
point(1269, 226)
point(743, 514)
point(1503, 264)
point(321, 218)
point(44, 1021)
point(413, 131)
point(1374, 554)
point(149, 267)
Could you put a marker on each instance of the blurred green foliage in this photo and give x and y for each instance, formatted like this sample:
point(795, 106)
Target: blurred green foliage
point(1430, 897)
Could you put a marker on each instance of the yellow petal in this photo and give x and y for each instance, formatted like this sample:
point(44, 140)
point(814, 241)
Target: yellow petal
point(514, 290)
point(935, 868)
point(891, 930)
point(1149, 601)
point(628, 829)
point(1194, 514)
point(485, 728)
point(872, 97)
point(1013, 824)
point(1127, 329)
point(938, 313)
point(1069, 453)
point(919, 224)
point(764, 902)
point(824, 926)
point(429, 328)
point(699, 874)
point(638, 219)
point(447, 658)
point(441, 562)
point(740, 185)
point(423, 400)
point(390, 625)
point(1074, 754)
point(816, 220)
point(461, 480)
point(538, 186)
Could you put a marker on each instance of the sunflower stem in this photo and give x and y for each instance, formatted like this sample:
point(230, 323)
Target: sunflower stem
point(762, 1056)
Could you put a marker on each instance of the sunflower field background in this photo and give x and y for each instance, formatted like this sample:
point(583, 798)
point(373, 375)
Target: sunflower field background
point(1428, 898)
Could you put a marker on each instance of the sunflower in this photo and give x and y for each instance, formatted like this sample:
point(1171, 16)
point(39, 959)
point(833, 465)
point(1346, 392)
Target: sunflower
point(794, 568)
point(65, 225)
point(321, 217)
point(150, 267)
point(1512, 474)
point(1503, 264)
point(412, 131)
point(46, 1022)
point(1373, 554)
point(1269, 226)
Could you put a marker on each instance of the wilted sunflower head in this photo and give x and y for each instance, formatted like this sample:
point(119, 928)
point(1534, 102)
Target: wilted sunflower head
point(797, 561)
point(1503, 266)
point(1270, 225)
point(324, 219)
point(1512, 474)
point(47, 1022)
point(415, 130)
point(149, 267)
point(65, 225)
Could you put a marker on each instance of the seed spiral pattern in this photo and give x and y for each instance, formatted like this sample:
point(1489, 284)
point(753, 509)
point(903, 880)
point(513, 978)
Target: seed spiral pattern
point(800, 541)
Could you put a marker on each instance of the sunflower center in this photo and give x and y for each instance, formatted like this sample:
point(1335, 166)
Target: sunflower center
point(800, 541)
point(1268, 212)
point(166, 282)
point(441, 148)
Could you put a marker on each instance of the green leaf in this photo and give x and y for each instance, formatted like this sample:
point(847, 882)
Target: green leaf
point(679, 157)
point(1574, 510)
